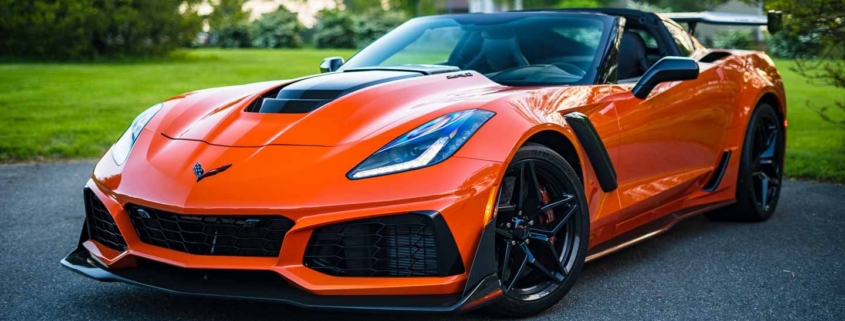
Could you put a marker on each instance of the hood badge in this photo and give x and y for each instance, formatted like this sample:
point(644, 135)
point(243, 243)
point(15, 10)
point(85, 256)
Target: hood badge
point(465, 74)
point(201, 173)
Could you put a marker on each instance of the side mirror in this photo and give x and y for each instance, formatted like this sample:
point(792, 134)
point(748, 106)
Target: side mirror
point(666, 69)
point(331, 64)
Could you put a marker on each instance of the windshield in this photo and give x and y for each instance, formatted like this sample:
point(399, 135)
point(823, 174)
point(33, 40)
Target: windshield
point(514, 49)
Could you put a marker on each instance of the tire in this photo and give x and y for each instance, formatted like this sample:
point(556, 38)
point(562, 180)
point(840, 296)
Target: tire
point(750, 204)
point(566, 226)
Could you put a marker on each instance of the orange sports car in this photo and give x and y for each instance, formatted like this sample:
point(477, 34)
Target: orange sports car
point(458, 162)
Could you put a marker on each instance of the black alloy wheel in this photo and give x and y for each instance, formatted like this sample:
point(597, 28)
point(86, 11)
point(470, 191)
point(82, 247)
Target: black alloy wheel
point(542, 229)
point(760, 170)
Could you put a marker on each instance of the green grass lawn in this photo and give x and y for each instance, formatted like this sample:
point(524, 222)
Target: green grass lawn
point(66, 111)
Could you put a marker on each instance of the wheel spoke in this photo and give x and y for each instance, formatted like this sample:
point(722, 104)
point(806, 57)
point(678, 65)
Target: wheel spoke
point(531, 259)
point(764, 193)
point(535, 183)
point(566, 199)
point(506, 270)
point(504, 232)
point(518, 272)
point(560, 224)
point(521, 187)
point(557, 258)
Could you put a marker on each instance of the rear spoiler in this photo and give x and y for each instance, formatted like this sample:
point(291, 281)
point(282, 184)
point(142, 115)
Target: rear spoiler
point(772, 20)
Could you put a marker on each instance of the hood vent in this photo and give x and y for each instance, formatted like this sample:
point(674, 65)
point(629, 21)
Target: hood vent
point(308, 94)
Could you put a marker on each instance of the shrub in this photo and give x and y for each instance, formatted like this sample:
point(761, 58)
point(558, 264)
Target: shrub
point(334, 29)
point(229, 24)
point(371, 26)
point(734, 38)
point(82, 29)
point(277, 29)
point(789, 45)
point(233, 35)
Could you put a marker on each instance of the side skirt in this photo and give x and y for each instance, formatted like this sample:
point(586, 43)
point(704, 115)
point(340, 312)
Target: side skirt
point(649, 230)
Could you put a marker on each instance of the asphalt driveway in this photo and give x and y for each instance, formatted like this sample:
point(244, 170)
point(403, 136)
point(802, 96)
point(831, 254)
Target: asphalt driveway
point(789, 268)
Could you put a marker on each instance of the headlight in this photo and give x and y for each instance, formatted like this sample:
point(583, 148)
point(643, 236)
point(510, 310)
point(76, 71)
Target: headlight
point(120, 150)
point(429, 144)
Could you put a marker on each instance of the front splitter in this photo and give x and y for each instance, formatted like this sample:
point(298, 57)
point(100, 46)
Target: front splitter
point(270, 287)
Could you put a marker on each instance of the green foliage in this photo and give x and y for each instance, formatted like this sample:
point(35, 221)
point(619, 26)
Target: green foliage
point(233, 35)
point(277, 29)
point(334, 29)
point(685, 5)
point(84, 29)
point(374, 24)
point(579, 4)
point(819, 22)
point(790, 45)
point(734, 38)
point(343, 29)
point(230, 24)
point(647, 7)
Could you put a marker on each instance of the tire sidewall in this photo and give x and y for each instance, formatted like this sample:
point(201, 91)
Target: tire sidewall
point(525, 308)
point(745, 184)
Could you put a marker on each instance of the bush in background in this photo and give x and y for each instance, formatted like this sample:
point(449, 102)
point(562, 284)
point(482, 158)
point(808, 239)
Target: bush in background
point(790, 45)
point(233, 35)
point(734, 39)
point(84, 29)
point(369, 27)
point(334, 29)
point(277, 29)
point(230, 26)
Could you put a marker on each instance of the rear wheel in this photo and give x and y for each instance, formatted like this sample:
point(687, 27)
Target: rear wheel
point(760, 169)
point(542, 232)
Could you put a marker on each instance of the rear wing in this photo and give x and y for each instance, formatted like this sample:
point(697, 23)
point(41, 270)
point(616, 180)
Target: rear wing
point(772, 20)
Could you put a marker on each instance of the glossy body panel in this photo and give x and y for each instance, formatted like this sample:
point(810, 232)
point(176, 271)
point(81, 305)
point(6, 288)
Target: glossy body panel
point(663, 149)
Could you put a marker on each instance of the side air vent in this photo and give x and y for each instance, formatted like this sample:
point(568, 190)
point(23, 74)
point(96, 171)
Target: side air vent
point(716, 178)
point(416, 244)
point(101, 225)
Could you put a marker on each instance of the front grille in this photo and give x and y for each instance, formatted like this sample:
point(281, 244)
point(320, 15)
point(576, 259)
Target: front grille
point(101, 225)
point(211, 234)
point(399, 245)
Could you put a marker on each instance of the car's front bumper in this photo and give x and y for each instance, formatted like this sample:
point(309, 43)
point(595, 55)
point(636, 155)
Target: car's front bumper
point(267, 286)
point(285, 279)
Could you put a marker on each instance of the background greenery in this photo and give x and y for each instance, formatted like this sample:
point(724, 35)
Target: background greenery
point(76, 110)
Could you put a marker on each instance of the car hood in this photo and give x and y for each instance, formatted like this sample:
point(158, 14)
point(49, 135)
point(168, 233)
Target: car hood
point(322, 110)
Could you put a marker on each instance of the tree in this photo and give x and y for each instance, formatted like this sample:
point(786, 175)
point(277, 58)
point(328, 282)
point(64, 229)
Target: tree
point(334, 29)
point(822, 22)
point(229, 24)
point(686, 5)
point(277, 29)
point(84, 29)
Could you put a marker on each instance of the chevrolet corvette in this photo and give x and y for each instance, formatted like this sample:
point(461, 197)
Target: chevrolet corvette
point(458, 162)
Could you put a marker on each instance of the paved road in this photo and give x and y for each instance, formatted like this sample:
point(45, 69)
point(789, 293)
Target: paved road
point(789, 268)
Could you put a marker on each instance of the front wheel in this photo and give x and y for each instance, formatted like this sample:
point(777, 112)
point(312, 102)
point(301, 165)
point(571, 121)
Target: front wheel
point(542, 231)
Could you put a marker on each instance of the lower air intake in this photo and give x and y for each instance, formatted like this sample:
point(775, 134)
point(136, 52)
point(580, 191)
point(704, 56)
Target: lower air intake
point(210, 234)
point(101, 225)
point(417, 244)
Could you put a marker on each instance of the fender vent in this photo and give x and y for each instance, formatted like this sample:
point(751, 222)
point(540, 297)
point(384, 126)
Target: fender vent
point(718, 173)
